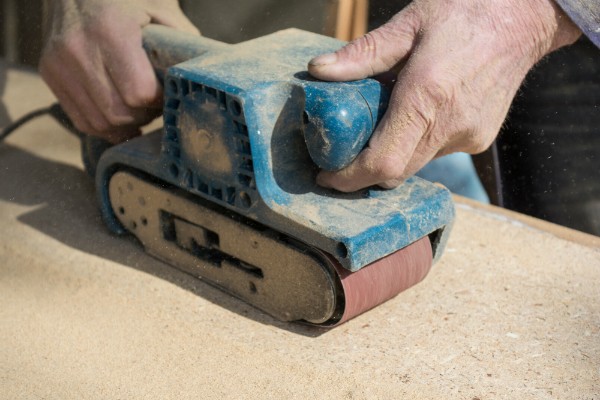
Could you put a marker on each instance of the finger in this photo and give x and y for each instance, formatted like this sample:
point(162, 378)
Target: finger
point(77, 103)
point(84, 115)
point(419, 159)
point(104, 106)
point(404, 141)
point(86, 82)
point(129, 70)
point(118, 122)
point(64, 81)
point(76, 117)
point(376, 52)
point(389, 151)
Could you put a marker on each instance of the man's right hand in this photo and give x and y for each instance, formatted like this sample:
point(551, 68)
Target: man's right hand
point(94, 62)
point(458, 65)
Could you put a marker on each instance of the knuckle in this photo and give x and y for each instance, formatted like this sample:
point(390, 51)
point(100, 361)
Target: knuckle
point(417, 116)
point(113, 120)
point(437, 89)
point(129, 118)
point(119, 117)
point(81, 124)
point(371, 47)
point(138, 96)
point(388, 169)
point(365, 44)
point(434, 141)
point(99, 124)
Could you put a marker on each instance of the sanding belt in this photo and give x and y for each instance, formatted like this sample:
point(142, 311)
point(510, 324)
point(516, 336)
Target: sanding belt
point(383, 279)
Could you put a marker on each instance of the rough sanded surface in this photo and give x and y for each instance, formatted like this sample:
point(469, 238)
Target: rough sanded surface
point(509, 312)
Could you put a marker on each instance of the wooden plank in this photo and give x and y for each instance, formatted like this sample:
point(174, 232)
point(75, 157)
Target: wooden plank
point(559, 231)
point(511, 310)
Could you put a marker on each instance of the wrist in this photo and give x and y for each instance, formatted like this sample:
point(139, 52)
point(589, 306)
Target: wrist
point(549, 27)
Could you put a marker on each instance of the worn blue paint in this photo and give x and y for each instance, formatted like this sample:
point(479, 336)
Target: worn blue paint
point(237, 122)
point(339, 119)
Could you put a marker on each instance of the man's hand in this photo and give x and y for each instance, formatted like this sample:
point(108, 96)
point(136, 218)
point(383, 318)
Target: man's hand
point(95, 64)
point(458, 65)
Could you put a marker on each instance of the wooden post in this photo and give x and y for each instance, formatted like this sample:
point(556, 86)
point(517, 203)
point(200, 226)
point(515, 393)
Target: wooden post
point(350, 19)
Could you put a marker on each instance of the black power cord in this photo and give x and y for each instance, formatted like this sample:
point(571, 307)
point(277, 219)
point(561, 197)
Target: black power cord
point(55, 110)
point(91, 147)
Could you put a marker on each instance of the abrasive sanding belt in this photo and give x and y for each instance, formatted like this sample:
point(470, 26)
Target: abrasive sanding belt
point(383, 279)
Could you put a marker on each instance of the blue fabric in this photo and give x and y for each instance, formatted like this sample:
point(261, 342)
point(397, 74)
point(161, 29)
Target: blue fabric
point(586, 14)
point(457, 173)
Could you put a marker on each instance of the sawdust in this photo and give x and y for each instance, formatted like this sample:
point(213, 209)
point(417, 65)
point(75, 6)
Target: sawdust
point(205, 146)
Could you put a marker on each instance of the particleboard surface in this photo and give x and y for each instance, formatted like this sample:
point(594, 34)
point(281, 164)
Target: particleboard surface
point(510, 311)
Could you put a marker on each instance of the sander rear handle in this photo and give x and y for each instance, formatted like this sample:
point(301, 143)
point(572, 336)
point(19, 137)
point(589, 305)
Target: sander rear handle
point(167, 46)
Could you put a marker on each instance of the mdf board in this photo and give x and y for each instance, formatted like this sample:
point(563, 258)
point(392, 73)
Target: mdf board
point(512, 310)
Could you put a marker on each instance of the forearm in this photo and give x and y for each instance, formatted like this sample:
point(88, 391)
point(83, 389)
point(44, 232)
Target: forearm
point(586, 14)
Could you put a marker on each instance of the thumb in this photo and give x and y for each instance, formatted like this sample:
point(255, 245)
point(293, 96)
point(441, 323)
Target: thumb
point(376, 52)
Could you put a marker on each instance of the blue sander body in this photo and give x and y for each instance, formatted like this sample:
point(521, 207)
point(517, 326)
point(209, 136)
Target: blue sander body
point(226, 190)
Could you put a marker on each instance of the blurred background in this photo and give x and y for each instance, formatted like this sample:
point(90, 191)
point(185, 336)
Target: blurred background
point(21, 31)
point(231, 21)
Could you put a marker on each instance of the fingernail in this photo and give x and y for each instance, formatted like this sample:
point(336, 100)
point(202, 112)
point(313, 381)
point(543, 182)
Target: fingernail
point(324, 59)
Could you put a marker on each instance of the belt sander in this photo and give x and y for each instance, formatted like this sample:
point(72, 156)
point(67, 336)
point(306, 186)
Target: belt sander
point(226, 189)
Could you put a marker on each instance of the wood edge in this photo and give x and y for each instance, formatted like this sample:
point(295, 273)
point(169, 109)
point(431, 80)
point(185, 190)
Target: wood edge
point(344, 19)
point(360, 18)
point(559, 231)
